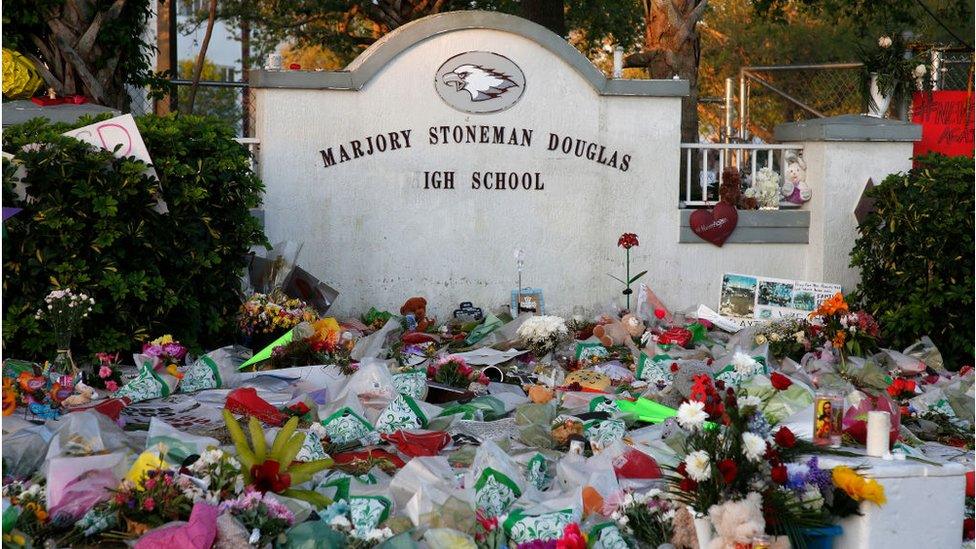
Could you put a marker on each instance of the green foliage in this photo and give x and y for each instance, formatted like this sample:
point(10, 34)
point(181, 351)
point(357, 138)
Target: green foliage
point(90, 225)
point(210, 101)
point(915, 254)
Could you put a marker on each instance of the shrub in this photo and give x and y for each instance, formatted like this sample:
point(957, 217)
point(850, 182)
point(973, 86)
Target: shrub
point(90, 225)
point(915, 253)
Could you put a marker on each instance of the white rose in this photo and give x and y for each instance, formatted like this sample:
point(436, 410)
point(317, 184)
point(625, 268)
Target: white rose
point(919, 71)
point(884, 42)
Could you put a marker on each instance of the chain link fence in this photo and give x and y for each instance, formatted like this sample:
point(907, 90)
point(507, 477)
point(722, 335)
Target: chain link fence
point(229, 101)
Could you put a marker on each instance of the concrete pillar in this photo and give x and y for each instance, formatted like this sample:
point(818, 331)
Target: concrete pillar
point(841, 154)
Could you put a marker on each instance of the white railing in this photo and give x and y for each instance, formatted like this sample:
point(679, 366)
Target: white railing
point(253, 145)
point(714, 158)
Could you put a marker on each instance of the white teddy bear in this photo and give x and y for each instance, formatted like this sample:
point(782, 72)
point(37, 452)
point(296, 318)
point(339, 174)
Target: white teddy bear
point(795, 187)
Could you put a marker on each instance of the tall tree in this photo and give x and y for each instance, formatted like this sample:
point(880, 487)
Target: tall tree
point(90, 48)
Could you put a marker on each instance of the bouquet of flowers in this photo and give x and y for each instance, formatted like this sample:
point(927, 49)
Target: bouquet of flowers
point(65, 309)
point(887, 68)
point(163, 497)
point(166, 349)
point(220, 473)
point(264, 315)
point(648, 517)
point(37, 393)
point(850, 333)
point(262, 514)
point(106, 373)
point(319, 342)
point(454, 371)
point(542, 334)
point(765, 188)
point(337, 516)
point(786, 338)
point(31, 515)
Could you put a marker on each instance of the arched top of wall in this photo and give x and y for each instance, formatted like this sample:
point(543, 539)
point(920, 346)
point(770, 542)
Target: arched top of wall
point(386, 49)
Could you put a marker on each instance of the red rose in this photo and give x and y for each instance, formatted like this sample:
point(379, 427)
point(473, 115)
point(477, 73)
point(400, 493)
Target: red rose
point(779, 474)
point(682, 469)
point(674, 366)
point(729, 470)
point(771, 455)
point(688, 485)
point(785, 438)
point(780, 382)
point(969, 528)
point(660, 314)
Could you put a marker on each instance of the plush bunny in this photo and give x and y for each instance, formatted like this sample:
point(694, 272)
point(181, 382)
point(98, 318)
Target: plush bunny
point(795, 187)
point(736, 523)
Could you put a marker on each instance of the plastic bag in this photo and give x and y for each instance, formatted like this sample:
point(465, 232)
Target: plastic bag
point(374, 345)
point(198, 533)
point(83, 493)
point(535, 424)
point(173, 444)
point(218, 368)
point(83, 434)
point(24, 450)
point(372, 379)
point(494, 480)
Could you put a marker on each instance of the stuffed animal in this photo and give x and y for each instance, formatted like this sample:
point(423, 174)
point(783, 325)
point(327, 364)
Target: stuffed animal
point(633, 324)
point(736, 523)
point(683, 528)
point(84, 395)
point(616, 333)
point(683, 375)
point(730, 191)
point(795, 187)
point(417, 306)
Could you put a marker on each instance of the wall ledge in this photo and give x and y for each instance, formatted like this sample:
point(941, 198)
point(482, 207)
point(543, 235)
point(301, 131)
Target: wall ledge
point(848, 127)
point(757, 227)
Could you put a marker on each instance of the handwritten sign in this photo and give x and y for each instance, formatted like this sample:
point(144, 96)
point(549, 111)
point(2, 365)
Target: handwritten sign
point(750, 299)
point(946, 117)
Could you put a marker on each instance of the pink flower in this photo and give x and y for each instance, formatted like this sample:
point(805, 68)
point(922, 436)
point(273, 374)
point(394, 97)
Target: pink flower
point(150, 483)
point(149, 504)
point(174, 350)
point(104, 372)
point(112, 386)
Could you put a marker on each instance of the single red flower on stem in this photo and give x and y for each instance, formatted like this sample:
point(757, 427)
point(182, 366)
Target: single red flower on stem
point(785, 438)
point(780, 382)
point(627, 241)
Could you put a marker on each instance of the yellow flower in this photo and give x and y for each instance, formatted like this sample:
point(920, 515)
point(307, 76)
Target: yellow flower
point(857, 487)
point(873, 492)
point(163, 340)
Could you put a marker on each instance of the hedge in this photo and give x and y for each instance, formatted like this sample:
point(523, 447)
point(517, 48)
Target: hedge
point(89, 224)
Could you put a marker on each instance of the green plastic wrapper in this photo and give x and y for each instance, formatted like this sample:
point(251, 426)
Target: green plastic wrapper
point(490, 324)
point(535, 424)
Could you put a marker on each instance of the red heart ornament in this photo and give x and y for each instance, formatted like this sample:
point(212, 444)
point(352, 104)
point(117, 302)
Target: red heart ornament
point(714, 225)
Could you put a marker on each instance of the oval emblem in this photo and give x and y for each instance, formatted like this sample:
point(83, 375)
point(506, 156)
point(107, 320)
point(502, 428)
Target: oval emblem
point(480, 82)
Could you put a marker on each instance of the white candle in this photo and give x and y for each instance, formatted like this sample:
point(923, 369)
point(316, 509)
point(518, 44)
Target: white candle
point(879, 427)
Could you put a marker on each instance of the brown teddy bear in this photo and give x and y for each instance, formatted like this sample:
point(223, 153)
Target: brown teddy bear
point(417, 306)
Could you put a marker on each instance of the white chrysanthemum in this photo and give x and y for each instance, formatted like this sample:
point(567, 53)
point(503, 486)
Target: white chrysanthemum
point(691, 414)
point(743, 363)
point(753, 445)
point(884, 41)
point(699, 465)
point(750, 400)
point(340, 521)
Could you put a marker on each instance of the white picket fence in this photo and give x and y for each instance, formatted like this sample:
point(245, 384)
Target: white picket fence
point(701, 189)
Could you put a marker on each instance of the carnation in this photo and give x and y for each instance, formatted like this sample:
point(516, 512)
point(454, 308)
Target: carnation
point(743, 363)
point(753, 445)
point(699, 465)
point(691, 414)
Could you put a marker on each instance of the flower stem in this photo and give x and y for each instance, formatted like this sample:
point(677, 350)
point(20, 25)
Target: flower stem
point(628, 279)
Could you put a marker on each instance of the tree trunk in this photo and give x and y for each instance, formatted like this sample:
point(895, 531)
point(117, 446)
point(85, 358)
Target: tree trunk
point(202, 56)
point(548, 13)
point(672, 47)
point(166, 50)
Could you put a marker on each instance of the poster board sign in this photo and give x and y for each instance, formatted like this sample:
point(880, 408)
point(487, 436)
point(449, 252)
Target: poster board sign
point(751, 299)
point(118, 134)
point(946, 117)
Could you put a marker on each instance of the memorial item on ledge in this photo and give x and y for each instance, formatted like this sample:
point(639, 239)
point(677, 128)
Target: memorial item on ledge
point(628, 241)
point(414, 310)
point(765, 189)
point(795, 189)
point(106, 374)
point(714, 225)
point(64, 310)
point(890, 73)
point(730, 190)
point(21, 78)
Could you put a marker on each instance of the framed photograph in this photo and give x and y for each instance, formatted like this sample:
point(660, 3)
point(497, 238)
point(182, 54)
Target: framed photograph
point(527, 300)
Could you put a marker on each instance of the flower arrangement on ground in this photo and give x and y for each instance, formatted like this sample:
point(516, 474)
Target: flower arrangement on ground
point(850, 333)
point(765, 188)
point(164, 496)
point(30, 509)
point(337, 516)
point(262, 515)
point(786, 338)
point(220, 473)
point(166, 350)
point(542, 334)
point(647, 517)
point(454, 371)
point(318, 342)
point(64, 310)
point(106, 373)
point(264, 317)
point(628, 241)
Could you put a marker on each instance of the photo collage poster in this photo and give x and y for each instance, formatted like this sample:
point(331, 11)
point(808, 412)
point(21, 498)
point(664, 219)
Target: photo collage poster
point(751, 299)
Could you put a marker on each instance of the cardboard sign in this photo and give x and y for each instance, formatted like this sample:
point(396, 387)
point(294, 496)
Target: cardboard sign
point(118, 134)
point(750, 299)
point(946, 117)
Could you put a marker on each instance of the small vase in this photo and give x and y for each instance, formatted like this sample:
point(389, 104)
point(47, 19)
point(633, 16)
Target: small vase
point(703, 528)
point(879, 103)
point(63, 364)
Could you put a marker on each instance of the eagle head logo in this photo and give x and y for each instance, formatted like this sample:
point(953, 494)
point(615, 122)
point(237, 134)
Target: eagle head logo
point(481, 83)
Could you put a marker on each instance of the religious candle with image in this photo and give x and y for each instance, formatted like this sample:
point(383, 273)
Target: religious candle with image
point(828, 409)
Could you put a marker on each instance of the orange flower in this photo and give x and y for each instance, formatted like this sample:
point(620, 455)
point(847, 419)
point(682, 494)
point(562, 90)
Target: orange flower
point(839, 339)
point(9, 396)
point(835, 304)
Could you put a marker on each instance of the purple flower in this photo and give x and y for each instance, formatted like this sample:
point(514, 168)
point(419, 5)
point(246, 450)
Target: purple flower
point(174, 350)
